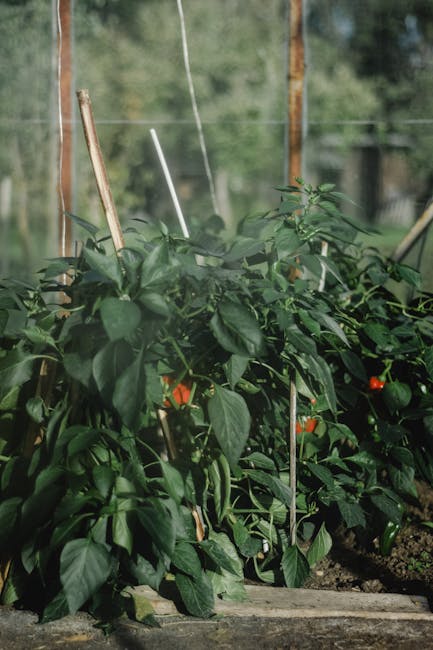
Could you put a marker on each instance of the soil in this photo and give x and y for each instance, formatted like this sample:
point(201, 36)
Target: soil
point(407, 570)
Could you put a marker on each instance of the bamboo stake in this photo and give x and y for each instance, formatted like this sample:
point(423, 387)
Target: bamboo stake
point(99, 170)
point(293, 462)
point(414, 234)
point(108, 205)
point(5, 566)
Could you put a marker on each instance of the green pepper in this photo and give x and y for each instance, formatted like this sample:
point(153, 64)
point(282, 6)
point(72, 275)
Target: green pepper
point(387, 539)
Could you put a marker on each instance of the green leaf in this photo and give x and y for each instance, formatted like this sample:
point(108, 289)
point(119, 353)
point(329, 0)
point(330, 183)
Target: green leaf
point(124, 504)
point(322, 473)
point(90, 227)
point(230, 420)
point(219, 474)
point(57, 608)
point(339, 431)
point(257, 459)
point(103, 477)
point(326, 187)
point(129, 393)
point(185, 559)
point(321, 372)
point(84, 567)
point(396, 395)
point(275, 485)
point(330, 324)
point(197, 594)
point(35, 408)
point(218, 555)
point(173, 481)
point(9, 401)
point(121, 530)
point(107, 266)
point(409, 275)
point(8, 515)
point(352, 513)
point(243, 247)
point(145, 573)
point(287, 242)
point(403, 480)
point(237, 330)
point(120, 318)
point(78, 366)
point(295, 566)
point(235, 368)
point(388, 506)
point(38, 336)
point(224, 543)
point(310, 323)
point(403, 455)
point(108, 364)
point(248, 545)
point(155, 303)
point(156, 266)
point(379, 334)
point(354, 365)
point(16, 320)
point(15, 369)
point(320, 547)
point(227, 585)
point(156, 520)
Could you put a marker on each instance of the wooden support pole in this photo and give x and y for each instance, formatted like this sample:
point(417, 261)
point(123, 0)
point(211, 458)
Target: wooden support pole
point(293, 462)
point(99, 170)
point(414, 234)
point(295, 142)
point(296, 88)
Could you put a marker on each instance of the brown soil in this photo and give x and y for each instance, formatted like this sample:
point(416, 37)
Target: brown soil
point(407, 570)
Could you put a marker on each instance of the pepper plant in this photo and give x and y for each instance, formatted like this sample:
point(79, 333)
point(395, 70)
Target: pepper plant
point(145, 423)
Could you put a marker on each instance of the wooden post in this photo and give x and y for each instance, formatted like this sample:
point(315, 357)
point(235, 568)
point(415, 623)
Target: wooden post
point(295, 141)
point(64, 44)
point(296, 88)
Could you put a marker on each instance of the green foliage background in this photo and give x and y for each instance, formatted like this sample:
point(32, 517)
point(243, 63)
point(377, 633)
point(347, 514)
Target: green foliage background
point(367, 75)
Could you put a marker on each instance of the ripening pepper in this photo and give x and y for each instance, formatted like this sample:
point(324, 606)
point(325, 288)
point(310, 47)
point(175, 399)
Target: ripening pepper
point(181, 392)
point(375, 383)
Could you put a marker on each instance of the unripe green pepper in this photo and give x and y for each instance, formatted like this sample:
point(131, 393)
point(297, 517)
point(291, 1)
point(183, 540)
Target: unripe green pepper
point(387, 539)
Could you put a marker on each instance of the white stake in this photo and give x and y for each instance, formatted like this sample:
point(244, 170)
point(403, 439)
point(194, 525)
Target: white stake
point(324, 253)
point(172, 191)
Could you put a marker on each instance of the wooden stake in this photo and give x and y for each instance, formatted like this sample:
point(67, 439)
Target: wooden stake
point(293, 461)
point(296, 88)
point(414, 234)
point(99, 170)
point(295, 141)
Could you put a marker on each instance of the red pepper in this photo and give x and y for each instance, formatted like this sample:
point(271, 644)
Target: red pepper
point(307, 426)
point(181, 392)
point(375, 383)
